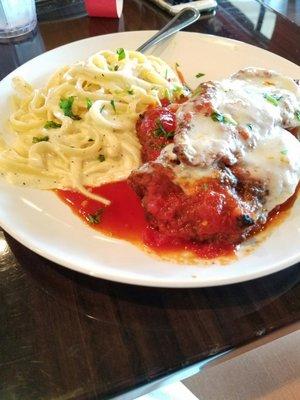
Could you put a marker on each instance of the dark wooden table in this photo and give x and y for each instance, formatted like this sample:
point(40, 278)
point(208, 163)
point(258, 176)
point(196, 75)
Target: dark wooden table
point(68, 336)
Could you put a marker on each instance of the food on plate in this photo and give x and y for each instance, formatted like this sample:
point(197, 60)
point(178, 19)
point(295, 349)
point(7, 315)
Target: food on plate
point(230, 156)
point(78, 131)
point(140, 157)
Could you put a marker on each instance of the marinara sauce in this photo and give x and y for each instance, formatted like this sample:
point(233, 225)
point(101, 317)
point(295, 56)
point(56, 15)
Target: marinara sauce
point(125, 219)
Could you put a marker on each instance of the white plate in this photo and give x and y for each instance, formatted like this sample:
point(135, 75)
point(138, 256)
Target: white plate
point(40, 221)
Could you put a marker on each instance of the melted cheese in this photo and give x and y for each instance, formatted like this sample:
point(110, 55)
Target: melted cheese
point(276, 161)
point(243, 121)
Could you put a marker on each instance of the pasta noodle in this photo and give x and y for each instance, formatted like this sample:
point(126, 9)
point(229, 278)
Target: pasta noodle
point(79, 130)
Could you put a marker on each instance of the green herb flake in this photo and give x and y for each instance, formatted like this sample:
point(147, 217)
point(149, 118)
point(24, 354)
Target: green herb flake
point(177, 89)
point(116, 68)
point(101, 157)
point(166, 74)
point(199, 75)
point(112, 103)
point(52, 125)
point(121, 54)
point(250, 126)
point(89, 103)
point(102, 108)
point(167, 94)
point(297, 115)
point(91, 140)
point(273, 99)
point(229, 120)
point(284, 152)
point(217, 117)
point(130, 91)
point(161, 132)
point(66, 106)
point(176, 64)
point(37, 139)
point(95, 218)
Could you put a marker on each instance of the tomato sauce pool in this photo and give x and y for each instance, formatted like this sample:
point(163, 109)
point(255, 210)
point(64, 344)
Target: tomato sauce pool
point(124, 219)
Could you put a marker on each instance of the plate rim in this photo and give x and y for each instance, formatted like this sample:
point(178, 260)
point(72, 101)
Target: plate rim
point(159, 283)
point(151, 31)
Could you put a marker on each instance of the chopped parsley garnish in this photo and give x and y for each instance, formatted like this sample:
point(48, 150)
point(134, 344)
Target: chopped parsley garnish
point(37, 139)
point(284, 152)
point(297, 115)
point(161, 132)
point(217, 117)
point(89, 103)
point(176, 64)
point(121, 54)
point(66, 106)
point(273, 99)
point(91, 140)
point(177, 89)
point(167, 94)
point(95, 218)
point(229, 120)
point(199, 75)
point(112, 103)
point(102, 108)
point(130, 91)
point(101, 157)
point(250, 126)
point(166, 74)
point(116, 68)
point(52, 125)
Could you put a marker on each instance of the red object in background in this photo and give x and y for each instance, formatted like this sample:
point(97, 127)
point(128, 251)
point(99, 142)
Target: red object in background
point(104, 8)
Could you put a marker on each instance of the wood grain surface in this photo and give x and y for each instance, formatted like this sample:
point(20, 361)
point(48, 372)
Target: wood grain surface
point(69, 336)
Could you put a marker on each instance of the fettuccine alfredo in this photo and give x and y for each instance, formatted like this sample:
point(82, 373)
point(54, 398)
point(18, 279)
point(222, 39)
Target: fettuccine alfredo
point(78, 131)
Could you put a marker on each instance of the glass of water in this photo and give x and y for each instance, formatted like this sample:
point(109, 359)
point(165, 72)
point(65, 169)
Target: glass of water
point(17, 17)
